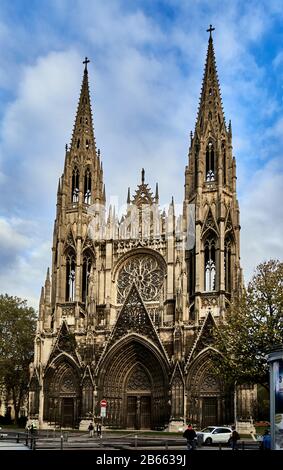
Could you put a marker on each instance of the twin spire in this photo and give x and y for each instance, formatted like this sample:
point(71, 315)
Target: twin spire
point(210, 113)
point(83, 134)
point(210, 106)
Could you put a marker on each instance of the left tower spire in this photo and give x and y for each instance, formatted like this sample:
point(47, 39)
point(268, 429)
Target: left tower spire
point(83, 133)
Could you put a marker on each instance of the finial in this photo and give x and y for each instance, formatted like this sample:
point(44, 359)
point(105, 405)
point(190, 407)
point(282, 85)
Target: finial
point(191, 135)
point(142, 175)
point(85, 62)
point(66, 147)
point(98, 152)
point(209, 30)
point(129, 196)
point(156, 193)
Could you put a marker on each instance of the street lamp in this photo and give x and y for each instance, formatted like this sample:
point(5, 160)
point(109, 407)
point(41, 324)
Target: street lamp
point(94, 399)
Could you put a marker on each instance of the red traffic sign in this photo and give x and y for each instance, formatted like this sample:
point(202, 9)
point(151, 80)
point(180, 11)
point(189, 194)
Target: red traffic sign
point(103, 403)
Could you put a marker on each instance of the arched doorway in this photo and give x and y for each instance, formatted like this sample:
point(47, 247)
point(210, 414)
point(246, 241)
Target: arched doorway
point(62, 393)
point(208, 403)
point(139, 398)
point(134, 381)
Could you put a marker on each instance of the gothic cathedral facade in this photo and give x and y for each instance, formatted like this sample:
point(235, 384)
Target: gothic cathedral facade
point(128, 311)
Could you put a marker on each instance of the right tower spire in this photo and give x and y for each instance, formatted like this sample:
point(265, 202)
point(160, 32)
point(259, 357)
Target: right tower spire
point(210, 185)
point(210, 108)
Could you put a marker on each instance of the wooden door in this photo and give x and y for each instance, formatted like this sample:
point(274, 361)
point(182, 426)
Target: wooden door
point(131, 412)
point(209, 412)
point(67, 412)
point(145, 410)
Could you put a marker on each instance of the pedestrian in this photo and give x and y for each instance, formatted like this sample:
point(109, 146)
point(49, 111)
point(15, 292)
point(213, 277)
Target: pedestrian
point(235, 437)
point(91, 429)
point(266, 440)
point(190, 435)
point(98, 430)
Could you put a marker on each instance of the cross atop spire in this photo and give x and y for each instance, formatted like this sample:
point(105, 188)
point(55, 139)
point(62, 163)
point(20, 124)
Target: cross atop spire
point(85, 62)
point(210, 29)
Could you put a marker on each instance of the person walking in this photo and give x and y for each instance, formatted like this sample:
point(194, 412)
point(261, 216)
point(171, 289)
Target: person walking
point(91, 429)
point(266, 440)
point(190, 435)
point(98, 430)
point(235, 437)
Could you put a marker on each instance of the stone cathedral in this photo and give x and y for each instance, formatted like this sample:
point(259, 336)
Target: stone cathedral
point(128, 309)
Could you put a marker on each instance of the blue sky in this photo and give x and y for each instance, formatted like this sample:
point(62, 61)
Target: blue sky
point(147, 61)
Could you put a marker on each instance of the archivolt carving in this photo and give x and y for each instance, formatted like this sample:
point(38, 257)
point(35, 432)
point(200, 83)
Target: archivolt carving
point(210, 383)
point(146, 272)
point(138, 380)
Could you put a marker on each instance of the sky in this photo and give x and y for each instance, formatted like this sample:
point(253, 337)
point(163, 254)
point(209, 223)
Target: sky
point(147, 62)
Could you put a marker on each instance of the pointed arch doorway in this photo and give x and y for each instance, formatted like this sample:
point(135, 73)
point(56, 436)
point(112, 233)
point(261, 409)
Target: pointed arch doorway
point(134, 381)
point(138, 398)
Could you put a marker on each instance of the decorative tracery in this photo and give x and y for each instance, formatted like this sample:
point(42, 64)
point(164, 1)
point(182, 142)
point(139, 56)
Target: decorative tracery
point(148, 275)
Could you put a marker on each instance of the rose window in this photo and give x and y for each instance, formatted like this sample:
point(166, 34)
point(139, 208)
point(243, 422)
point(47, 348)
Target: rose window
point(147, 274)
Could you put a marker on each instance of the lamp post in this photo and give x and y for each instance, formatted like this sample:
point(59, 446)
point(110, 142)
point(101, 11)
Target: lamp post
point(235, 403)
point(94, 400)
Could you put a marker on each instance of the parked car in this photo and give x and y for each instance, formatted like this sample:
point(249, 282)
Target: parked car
point(2, 434)
point(214, 434)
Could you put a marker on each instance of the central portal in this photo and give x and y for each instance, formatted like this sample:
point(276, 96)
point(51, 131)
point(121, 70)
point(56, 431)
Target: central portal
point(138, 398)
point(138, 412)
point(67, 412)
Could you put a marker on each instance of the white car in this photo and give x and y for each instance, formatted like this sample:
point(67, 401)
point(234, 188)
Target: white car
point(215, 434)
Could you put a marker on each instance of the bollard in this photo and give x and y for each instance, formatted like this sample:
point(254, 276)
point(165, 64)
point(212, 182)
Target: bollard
point(18, 438)
point(34, 444)
point(243, 445)
point(136, 441)
point(26, 439)
point(61, 441)
point(220, 446)
point(166, 444)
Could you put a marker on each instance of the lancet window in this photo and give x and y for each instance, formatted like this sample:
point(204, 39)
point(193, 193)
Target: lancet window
point(87, 187)
point(210, 162)
point(75, 185)
point(209, 265)
point(87, 259)
point(70, 276)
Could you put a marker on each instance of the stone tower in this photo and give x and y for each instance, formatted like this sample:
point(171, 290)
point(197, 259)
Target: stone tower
point(129, 312)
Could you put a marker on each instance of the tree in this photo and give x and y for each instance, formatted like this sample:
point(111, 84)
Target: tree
point(17, 330)
point(252, 326)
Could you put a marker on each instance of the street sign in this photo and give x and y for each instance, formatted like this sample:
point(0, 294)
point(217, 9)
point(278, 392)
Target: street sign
point(103, 412)
point(103, 403)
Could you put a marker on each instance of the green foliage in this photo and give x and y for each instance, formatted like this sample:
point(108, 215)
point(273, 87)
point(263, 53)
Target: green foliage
point(17, 330)
point(252, 327)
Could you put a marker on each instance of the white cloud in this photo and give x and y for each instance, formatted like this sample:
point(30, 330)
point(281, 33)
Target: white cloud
point(262, 217)
point(145, 78)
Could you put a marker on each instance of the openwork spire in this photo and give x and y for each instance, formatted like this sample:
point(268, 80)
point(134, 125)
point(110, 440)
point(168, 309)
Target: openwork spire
point(210, 106)
point(83, 135)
